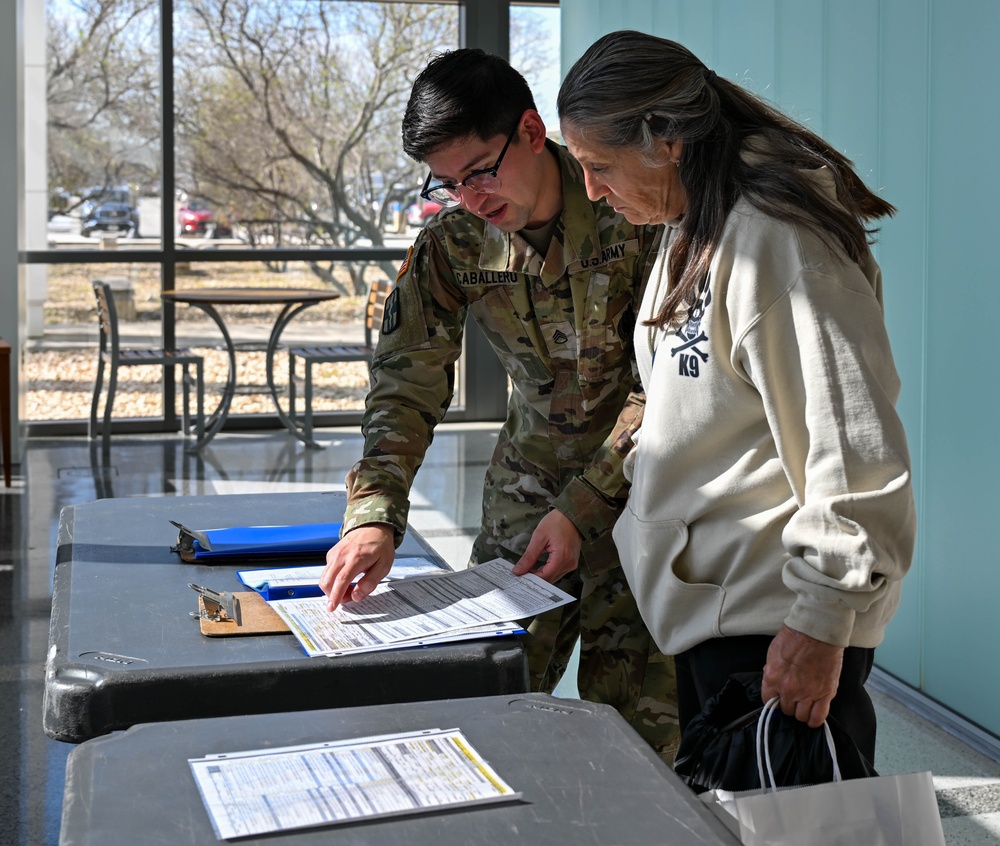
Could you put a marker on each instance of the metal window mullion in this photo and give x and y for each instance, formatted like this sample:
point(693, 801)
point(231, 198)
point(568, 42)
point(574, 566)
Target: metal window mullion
point(484, 24)
point(168, 310)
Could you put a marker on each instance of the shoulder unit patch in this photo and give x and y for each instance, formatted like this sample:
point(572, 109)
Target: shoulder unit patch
point(392, 314)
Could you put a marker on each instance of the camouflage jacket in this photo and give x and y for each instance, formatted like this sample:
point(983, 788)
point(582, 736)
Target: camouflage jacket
point(562, 327)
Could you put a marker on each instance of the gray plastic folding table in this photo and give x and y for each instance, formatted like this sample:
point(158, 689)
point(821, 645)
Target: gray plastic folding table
point(124, 648)
point(586, 776)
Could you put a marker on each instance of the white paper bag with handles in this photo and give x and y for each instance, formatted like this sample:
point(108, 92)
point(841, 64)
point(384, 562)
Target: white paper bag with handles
point(898, 810)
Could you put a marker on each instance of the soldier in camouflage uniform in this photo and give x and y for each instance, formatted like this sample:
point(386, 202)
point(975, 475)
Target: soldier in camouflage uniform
point(553, 280)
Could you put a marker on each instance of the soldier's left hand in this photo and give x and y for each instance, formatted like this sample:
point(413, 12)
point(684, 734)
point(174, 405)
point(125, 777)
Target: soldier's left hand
point(556, 535)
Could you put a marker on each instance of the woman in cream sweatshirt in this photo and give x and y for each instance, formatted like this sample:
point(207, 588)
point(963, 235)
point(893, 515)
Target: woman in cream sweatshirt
point(771, 516)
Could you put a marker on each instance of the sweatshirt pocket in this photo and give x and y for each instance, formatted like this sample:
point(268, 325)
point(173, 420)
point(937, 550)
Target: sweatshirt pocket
point(678, 614)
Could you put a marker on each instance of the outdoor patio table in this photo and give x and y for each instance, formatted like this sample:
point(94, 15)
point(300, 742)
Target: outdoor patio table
point(124, 648)
point(292, 300)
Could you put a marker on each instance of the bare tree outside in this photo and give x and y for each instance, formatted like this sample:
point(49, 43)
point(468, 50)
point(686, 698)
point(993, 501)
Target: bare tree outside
point(103, 97)
point(288, 115)
point(534, 51)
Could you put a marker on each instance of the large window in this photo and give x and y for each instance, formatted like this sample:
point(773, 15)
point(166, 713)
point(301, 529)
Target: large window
point(234, 143)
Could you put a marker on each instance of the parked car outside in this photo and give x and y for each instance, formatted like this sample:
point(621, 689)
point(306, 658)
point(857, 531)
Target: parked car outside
point(97, 195)
point(417, 214)
point(111, 217)
point(196, 217)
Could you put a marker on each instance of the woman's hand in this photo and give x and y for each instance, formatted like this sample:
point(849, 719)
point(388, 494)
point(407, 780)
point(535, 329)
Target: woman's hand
point(804, 674)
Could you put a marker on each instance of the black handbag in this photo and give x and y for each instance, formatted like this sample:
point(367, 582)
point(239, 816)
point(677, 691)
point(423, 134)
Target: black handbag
point(718, 748)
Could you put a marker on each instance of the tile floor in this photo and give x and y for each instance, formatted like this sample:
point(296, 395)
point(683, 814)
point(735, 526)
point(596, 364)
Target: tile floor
point(445, 510)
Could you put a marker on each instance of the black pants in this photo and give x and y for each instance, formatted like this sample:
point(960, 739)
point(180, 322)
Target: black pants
point(704, 669)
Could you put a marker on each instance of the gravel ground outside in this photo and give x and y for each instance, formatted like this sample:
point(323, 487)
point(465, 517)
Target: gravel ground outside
point(60, 372)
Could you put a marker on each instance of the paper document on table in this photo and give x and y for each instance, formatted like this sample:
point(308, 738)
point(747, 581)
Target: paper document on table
point(422, 607)
point(268, 790)
point(472, 633)
point(299, 582)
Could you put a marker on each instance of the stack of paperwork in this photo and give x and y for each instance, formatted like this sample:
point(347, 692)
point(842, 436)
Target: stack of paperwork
point(303, 582)
point(481, 601)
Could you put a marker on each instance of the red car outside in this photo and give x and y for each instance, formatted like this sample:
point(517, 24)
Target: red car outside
point(194, 217)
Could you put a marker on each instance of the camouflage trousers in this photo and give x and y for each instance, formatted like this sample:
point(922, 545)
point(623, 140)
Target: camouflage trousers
point(620, 664)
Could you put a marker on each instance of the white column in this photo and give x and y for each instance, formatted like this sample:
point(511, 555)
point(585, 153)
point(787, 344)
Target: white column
point(11, 307)
point(36, 189)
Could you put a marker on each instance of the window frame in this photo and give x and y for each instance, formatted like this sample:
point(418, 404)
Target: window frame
point(482, 23)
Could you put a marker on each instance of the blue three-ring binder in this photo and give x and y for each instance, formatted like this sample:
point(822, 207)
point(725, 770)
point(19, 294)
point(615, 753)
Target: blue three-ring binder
point(255, 541)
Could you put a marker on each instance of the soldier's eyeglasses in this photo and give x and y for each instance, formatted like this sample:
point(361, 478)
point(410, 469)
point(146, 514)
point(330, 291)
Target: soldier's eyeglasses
point(482, 181)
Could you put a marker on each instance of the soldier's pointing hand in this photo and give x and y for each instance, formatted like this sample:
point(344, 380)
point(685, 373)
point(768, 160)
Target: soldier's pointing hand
point(356, 565)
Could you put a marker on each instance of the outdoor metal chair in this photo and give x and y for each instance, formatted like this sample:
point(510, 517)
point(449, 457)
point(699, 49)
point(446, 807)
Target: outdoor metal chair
point(113, 356)
point(311, 356)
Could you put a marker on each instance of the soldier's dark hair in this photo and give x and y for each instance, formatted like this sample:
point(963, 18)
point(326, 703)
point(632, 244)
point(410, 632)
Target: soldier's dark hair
point(463, 93)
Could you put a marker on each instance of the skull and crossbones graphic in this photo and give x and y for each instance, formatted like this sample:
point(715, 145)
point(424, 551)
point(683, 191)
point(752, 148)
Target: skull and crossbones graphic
point(691, 334)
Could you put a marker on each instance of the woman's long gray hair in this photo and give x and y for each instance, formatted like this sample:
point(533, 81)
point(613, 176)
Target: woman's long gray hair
point(631, 89)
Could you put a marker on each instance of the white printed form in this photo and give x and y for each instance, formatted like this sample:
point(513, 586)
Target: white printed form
point(262, 791)
point(420, 608)
point(402, 568)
